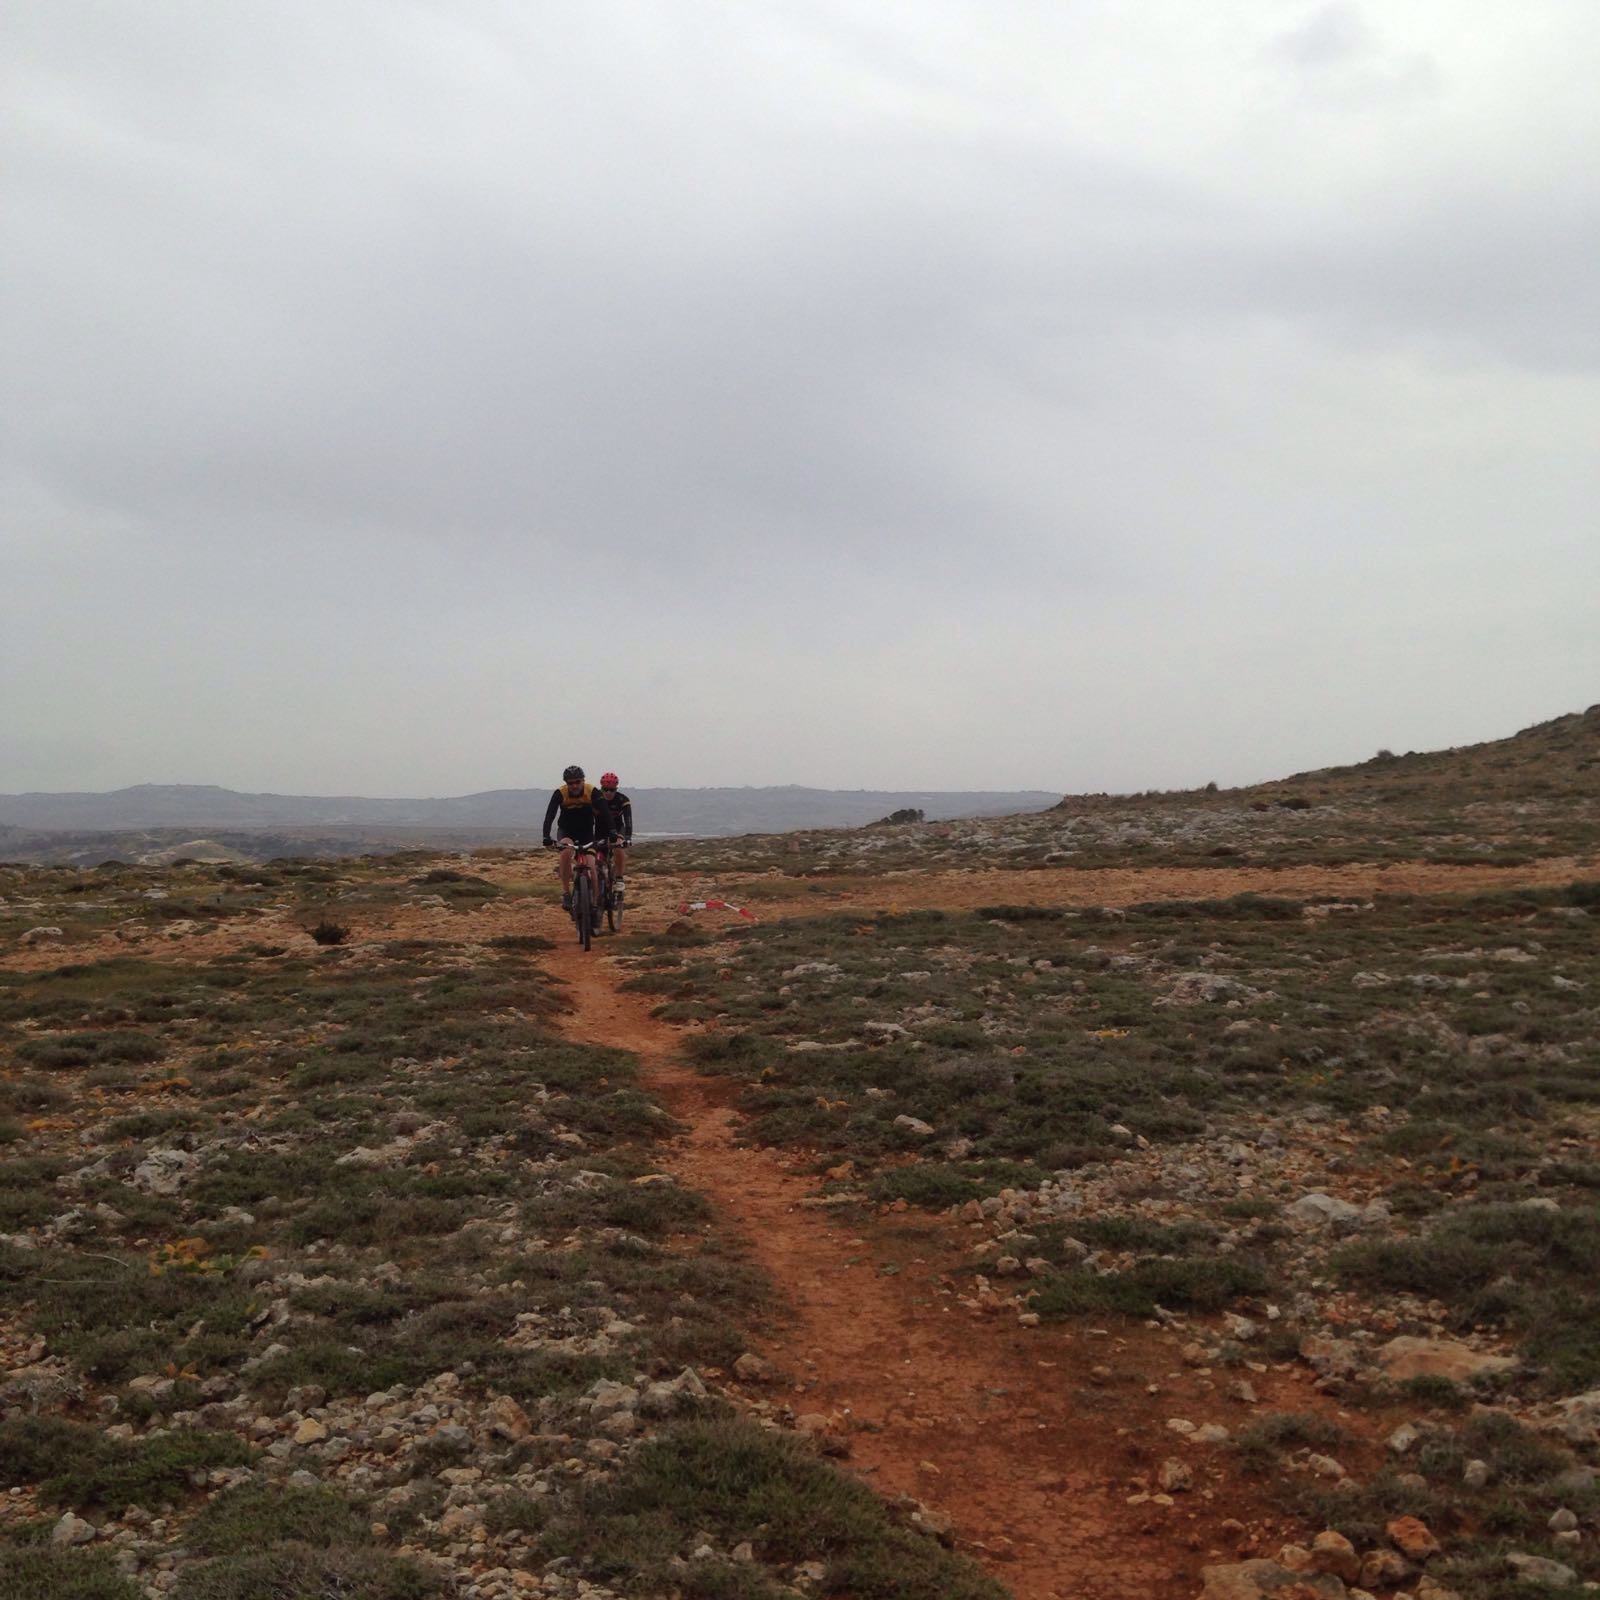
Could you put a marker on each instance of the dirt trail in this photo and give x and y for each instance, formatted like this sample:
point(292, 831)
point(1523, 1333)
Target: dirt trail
point(772, 895)
point(1003, 1429)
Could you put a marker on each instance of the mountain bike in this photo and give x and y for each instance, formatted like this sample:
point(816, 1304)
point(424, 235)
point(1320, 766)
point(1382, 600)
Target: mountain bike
point(611, 897)
point(586, 869)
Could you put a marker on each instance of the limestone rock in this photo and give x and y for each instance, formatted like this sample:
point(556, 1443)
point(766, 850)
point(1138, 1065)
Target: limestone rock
point(1251, 1580)
point(1412, 1538)
point(1409, 1357)
point(164, 1171)
point(1578, 1417)
point(507, 1420)
point(1543, 1571)
point(72, 1530)
point(1332, 1552)
point(1319, 1210)
point(1384, 1569)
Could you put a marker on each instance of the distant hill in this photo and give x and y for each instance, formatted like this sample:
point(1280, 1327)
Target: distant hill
point(152, 820)
point(1556, 758)
point(1559, 759)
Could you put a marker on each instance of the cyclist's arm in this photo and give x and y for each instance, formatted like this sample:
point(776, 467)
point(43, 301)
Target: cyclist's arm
point(551, 809)
point(622, 821)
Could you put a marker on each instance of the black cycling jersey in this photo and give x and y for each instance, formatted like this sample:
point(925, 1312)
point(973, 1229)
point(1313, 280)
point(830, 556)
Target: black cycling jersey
point(585, 816)
point(621, 814)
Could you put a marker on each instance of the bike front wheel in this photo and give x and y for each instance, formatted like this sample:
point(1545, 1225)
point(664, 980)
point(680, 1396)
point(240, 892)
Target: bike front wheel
point(583, 909)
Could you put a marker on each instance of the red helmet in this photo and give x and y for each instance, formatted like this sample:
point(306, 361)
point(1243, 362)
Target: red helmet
point(608, 780)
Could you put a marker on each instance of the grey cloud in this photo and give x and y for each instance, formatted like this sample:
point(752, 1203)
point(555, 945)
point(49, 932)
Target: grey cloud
point(1342, 59)
point(375, 320)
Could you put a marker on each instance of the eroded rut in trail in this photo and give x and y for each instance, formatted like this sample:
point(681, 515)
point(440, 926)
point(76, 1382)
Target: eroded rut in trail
point(1006, 1431)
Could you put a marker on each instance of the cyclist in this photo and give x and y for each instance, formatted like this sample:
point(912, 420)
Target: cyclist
point(620, 808)
point(584, 819)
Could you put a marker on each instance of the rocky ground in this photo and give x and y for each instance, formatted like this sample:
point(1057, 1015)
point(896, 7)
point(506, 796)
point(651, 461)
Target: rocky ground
point(1357, 1138)
point(332, 1268)
point(426, 1261)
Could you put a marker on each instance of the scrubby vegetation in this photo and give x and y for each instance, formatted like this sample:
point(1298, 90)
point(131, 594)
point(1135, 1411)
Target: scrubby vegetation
point(330, 1268)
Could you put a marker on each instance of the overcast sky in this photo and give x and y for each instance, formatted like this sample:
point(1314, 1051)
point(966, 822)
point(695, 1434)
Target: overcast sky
point(411, 397)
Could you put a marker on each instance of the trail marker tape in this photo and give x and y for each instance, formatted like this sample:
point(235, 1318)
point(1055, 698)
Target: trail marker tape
point(715, 905)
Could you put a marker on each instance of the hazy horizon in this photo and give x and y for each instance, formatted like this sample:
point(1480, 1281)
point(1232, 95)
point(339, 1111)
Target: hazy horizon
point(897, 789)
point(1076, 399)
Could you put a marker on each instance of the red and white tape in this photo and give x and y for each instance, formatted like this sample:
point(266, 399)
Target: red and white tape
point(715, 905)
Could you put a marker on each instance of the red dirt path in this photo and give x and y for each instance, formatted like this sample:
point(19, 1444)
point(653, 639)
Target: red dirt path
point(1000, 1428)
point(1009, 1432)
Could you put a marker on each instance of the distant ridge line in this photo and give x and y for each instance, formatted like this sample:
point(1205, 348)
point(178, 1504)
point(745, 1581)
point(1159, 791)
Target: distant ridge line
point(708, 811)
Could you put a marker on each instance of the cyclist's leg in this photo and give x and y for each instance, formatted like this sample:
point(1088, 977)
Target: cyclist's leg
point(566, 868)
point(619, 863)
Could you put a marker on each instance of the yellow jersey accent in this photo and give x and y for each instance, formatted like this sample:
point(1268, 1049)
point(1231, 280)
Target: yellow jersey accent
point(576, 802)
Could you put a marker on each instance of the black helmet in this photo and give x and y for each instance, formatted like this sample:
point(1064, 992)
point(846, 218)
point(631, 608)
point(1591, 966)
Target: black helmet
point(572, 775)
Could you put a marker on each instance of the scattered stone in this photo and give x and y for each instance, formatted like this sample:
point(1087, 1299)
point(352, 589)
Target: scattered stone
point(36, 936)
point(1325, 1466)
point(507, 1420)
point(1475, 1475)
point(1319, 1210)
point(1403, 1437)
point(1250, 1580)
point(310, 1432)
point(72, 1530)
point(914, 1125)
point(1175, 1476)
point(1208, 989)
point(1543, 1571)
point(1332, 1552)
point(1329, 1358)
point(935, 1523)
point(164, 1171)
point(1578, 1418)
point(1412, 1538)
point(1408, 1357)
point(1563, 1520)
point(751, 1368)
point(1384, 1569)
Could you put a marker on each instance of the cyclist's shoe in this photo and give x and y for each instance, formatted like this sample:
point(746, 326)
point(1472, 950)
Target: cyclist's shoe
point(566, 902)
